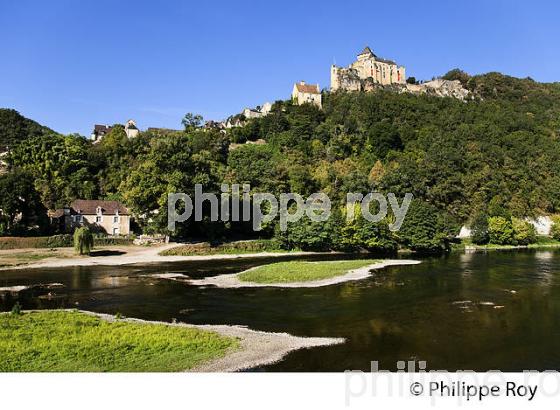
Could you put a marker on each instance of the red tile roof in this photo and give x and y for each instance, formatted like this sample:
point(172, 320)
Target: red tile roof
point(308, 88)
point(89, 207)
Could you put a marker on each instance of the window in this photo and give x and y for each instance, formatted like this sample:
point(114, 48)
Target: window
point(78, 218)
point(116, 231)
point(115, 219)
point(98, 219)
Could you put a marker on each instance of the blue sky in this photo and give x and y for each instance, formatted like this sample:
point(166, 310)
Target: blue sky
point(70, 64)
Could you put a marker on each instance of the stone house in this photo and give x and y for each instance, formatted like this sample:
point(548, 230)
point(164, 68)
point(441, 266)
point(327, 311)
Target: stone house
point(99, 131)
point(306, 93)
point(131, 129)
point(110, 217)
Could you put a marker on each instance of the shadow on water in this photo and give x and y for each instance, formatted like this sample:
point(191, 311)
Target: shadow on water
point(468, 311)
point(106, 253)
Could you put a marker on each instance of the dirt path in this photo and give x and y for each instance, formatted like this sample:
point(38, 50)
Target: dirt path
point(142, 255)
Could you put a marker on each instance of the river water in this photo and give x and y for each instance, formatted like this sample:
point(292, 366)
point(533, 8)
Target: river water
point(464, 311)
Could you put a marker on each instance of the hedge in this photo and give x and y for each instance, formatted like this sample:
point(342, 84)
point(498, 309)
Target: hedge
point(56, 241)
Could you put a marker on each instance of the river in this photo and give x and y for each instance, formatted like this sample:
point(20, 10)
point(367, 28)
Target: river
point(464, 311)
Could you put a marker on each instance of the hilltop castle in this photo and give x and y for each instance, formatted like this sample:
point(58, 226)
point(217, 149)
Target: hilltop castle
point(367, 71)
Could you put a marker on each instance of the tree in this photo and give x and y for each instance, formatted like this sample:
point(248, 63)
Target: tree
point(383, 137)
point(479, 229)
point(361, 234)
point(15, 129)
point(524, 233)
point(500, 231)
point(21, 210)
point(192, 121)
point(423, 230)
point(457, 74)
point(60, 166)
point(308, 235)
point(83, 241)
point(411, 80)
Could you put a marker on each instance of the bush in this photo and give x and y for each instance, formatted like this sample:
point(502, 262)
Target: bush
point(500, 231)
point(56, 241)
point(555, 228)
point(113, 240)
point(83, 241)
point(205, 248)
point(16, 309)
point(524, 233)
point(479, 230)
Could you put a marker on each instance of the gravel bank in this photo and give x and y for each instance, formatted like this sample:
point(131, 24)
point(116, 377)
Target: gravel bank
point(257, 348)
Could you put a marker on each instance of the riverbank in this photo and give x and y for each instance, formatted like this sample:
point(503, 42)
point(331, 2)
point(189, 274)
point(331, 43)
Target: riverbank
point(130, 255)
point(235, 280)
point(70, 340)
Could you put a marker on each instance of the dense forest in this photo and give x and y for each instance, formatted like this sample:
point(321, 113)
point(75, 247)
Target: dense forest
point(496, 155)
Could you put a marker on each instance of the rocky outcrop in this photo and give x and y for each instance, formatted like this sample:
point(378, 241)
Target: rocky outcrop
point(440, 88)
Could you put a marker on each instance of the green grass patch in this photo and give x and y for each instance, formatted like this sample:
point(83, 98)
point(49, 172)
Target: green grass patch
point(294, 271)
point(62, 341)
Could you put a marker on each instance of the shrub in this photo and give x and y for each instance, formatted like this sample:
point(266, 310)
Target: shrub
point(205, 248)
point(500, 231)
point(479, 230)
point(16, 309)
point(56, 241)
point(555, 228)
point(113, 240)
point(83, 241)
point(524, 233)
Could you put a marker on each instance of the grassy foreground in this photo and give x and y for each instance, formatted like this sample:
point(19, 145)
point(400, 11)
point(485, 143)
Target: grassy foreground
point(61, 341)
point(294, 271)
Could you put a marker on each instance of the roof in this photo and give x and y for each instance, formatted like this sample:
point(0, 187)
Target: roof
point(101, 128)
point(382, 60)
point(55, 213)
point(366, 50)
point(89, 207)
point(308, 88)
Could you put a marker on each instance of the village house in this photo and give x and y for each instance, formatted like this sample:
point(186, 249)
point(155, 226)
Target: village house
point(100, 131)
point(306, 93)
point(240, 119)
point(110, 217)
point(3, 162)
point(131, 129)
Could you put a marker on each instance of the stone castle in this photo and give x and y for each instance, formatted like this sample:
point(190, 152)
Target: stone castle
point(366, 72)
